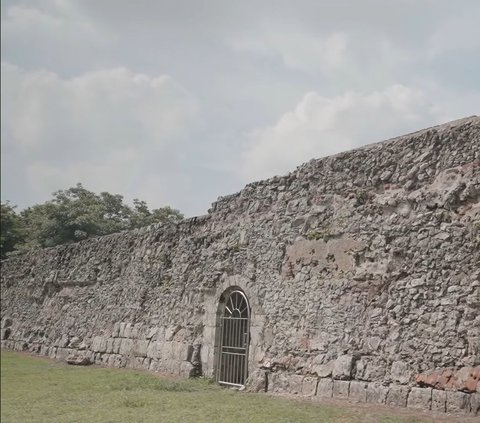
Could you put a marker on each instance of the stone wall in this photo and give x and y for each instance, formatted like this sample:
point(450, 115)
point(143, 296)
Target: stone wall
point(362, 270)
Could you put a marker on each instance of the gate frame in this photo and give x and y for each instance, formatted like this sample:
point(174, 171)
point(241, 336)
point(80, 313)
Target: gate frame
point(219, 334)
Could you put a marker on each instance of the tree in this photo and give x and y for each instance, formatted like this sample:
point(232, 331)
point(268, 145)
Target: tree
point(10, 228)
point(142, 216)
point(77, 213)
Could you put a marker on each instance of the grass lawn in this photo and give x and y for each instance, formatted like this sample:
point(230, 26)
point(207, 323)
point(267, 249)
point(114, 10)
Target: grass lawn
point(36, 389)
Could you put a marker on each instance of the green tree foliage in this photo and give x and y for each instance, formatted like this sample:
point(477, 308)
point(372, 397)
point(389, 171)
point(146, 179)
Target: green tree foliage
point(75, 214)
point(11, 229)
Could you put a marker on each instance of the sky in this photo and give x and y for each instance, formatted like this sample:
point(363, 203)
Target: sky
point(179, 102)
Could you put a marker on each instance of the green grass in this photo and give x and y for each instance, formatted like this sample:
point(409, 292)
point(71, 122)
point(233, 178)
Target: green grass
point(39, 390)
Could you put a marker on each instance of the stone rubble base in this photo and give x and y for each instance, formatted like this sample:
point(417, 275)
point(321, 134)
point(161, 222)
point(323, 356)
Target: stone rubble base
point(454, 402)
point(376, 393)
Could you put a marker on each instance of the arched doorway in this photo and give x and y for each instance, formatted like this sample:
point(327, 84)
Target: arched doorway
point(234, 328)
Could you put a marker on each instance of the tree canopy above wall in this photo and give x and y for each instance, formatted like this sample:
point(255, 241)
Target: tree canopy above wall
point(74, 214)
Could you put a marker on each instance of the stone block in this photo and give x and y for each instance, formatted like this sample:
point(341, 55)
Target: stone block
point(126, 346)
point(439, 399)
point(450, 379)
point(116, 360)
point(179, 350)
point(78, 360)
point(116, 330)
point(340, 388)
point(342, 367)
point(458, 402)
point(153, 366)
point(63, 341)
point(420, 398)
point(136, 330)
point(323, 370)
point(121, 329)
point(257, 381)
point(376, 393)
point(62, 353)
point(151, 333)
point(400, 372)
point(99, 344)
point(110, 345)
point(475, 404)
point(358, 391)
point(325, 388)
point(294, 384)
point(140, 348)
point(75, 342)
point(152, 350)
point(116, 345)
point(309, 386)
point(111, 360)
point(278, 382)
point(397, 395)
point(127, 333)
point(171, 331)
point(164, 351)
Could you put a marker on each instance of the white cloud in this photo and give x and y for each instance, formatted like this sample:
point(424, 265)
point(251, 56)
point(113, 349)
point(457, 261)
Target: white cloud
point(320, 126)
point(111, 129)
point(73, 109)
point(298, 50)
point(55, 36)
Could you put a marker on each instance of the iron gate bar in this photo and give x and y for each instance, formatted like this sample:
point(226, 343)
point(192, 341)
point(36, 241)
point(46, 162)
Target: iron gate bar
point(235, 324)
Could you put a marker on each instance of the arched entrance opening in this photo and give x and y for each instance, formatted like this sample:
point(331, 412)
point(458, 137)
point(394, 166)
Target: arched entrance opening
point(234, 329)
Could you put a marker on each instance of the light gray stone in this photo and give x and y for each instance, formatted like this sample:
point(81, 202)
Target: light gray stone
point(458, 402)
point(126, 346)
point(420, 398)
point(376, 393)
point(340, 388)
point(99, 344)
point(325, 388)
point(140, 348)
point(439, 399)
point(342, 367)
point(475, 404)
point(358, 391)
point(309, 386)
point(400, 372)
point(397, 395)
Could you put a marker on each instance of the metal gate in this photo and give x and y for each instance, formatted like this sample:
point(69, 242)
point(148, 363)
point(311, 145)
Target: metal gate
point(235, 338)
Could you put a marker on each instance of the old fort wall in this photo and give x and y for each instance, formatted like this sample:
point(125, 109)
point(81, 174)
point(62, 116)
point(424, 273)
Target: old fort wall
point(362, 271)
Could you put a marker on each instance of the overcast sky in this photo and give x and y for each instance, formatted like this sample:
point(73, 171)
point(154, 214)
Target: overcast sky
point(178, 102)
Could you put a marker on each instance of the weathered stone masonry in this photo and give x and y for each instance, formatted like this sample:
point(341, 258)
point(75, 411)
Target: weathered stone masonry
point(362, 271)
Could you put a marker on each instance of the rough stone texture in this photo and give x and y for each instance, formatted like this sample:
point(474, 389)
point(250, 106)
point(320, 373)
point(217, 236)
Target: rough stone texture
point(325, 388)
point(78, 360)
point(309, 386)
point(475, 404)
point(420, 398)
point(464, 379)
point(258, 381)
point(400, 372)
point(342, 367)
point(397, 395)
point(439, 400)
point(458, 402)
point(340, 388)
point(358, 391)
point(362, 266)
point(376, 393)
